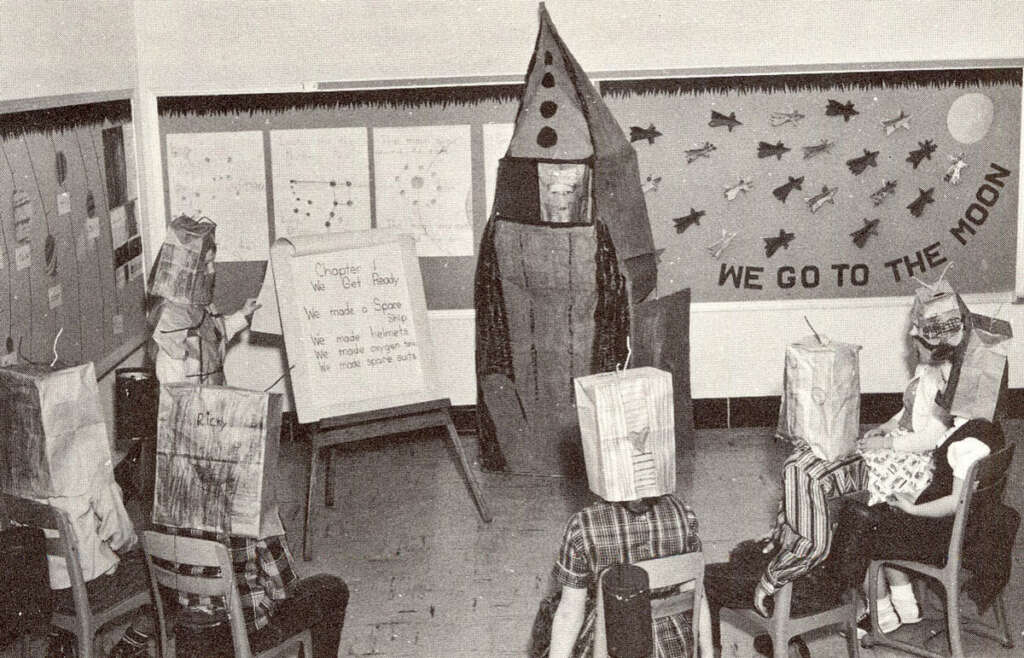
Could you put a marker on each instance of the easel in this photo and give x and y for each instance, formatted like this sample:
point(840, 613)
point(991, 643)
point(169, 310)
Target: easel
point(330, 432)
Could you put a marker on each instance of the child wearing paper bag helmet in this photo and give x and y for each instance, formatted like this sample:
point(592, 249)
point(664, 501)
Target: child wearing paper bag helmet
point(189, 342)
point(950, 408)
point(629, 448)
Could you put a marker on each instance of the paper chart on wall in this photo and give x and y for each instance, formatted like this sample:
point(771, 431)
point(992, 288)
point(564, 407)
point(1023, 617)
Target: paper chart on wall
point(423, 181)
point(321, 180)
point(222, 176)
point(496, 139)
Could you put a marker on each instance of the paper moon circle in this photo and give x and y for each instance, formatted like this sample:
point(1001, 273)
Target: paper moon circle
point(970, 118)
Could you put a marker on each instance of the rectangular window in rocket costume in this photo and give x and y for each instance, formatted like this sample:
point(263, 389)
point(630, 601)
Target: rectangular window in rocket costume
point(628, 431)
point(217, 450)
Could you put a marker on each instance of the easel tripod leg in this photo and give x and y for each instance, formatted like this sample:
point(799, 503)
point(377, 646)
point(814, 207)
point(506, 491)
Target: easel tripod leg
point(328, 479)
point(474, 488)
point(307, 528)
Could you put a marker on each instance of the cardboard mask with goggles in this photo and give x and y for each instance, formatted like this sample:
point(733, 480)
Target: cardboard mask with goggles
point(937, 318)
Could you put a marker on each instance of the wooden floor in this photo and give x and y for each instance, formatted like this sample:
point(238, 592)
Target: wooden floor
point(429, 578)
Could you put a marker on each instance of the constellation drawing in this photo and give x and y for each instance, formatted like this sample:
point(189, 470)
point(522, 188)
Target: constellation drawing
point(321, 180)
point(424, 186)
point(222, 176)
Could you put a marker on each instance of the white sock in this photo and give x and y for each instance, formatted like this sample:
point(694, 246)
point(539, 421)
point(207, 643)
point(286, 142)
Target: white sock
point(905, 603)
point(888, 620)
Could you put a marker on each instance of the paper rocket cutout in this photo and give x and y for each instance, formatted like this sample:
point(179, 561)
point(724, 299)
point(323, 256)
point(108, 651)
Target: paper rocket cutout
point(717, 247)
point(858, 165)
point(827, 195)
point(686, 221)
point(860, 236)
point(952, 175)
point(923, 152)
point(782, 118)
point(817, 149)
point(782, 191)
point(771, 245)
point(733, 191)
point(703, 151)
point(888, 189)
point(923, 199)
point(651, 184)
point(638, 134)
point(719, 119)
point(766, 150)
point(890, 126)
point(837, 109)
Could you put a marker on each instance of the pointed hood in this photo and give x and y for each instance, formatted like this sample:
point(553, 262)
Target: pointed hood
point(563, 118)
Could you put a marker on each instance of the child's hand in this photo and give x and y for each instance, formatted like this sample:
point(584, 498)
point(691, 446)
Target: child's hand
point(903, 502)
point(874, 440)
point(250, 306)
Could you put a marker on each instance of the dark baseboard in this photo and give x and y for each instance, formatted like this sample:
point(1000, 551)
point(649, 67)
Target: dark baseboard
point(717, 413)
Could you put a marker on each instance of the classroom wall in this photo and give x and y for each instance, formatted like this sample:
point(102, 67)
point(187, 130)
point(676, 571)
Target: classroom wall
point(737, 349)
point(75, 50)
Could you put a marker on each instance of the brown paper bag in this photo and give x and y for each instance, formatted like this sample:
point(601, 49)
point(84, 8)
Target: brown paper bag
point(821, 397)
point(216, 460)
point(627, 426)
point(982, 372)
point(53, 439)
point(180, 272)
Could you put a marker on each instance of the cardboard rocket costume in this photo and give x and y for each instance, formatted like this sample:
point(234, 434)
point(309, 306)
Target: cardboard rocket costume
point(567, 248)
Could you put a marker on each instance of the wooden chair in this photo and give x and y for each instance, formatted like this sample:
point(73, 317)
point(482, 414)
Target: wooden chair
point(983, 486)
point(686, 570)
point(205, 553)
point(86, 617)
point(781, 627)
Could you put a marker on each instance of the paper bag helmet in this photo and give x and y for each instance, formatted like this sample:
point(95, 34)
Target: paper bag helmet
point(628, 431)
point(562, 119)
point(183, 272)
point(937, 316)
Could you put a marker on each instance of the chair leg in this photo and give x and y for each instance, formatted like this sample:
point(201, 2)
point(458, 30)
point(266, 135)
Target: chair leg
point(999, 608)
point(956, 645)
point(780, 645)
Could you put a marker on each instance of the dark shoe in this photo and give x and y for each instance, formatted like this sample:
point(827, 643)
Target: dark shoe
point(133, 644)
point(61, 644)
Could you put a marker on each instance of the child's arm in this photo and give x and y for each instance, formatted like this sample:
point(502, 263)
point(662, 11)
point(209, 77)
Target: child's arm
point(568, 620)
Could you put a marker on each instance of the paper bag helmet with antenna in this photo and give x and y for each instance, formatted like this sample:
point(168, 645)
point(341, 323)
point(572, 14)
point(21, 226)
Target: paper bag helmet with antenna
point(183, 271)
point(628, 431)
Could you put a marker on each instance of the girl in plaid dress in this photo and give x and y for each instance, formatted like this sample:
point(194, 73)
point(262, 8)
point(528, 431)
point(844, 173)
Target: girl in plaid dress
point(644, 521)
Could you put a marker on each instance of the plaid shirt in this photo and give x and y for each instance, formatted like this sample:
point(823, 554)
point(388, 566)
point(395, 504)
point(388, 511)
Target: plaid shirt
point(263, 573)
point(607, 533)
point(802, 528)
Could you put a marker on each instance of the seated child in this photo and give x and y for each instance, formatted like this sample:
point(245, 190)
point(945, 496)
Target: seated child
point(643, 520)
point(189, 342)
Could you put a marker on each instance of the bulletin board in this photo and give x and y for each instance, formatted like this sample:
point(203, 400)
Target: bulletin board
point(828, 185)
point(758, 187)
point(410, 161)
point(71, 272)
point(355, 327)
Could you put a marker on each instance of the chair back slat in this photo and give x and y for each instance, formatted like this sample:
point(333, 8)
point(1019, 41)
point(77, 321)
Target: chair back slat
point(200, 585)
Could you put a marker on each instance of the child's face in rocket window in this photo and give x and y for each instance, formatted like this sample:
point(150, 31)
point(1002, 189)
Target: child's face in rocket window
point(564, 192)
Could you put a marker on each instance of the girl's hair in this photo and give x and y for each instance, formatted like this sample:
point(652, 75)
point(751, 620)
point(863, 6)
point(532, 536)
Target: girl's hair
point(641, 506)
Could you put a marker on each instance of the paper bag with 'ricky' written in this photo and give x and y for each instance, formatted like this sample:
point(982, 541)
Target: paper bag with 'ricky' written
point(216, 463)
